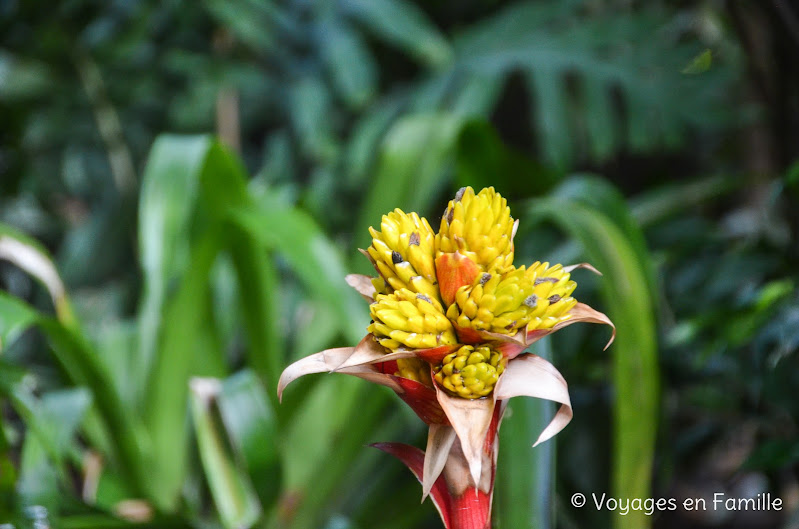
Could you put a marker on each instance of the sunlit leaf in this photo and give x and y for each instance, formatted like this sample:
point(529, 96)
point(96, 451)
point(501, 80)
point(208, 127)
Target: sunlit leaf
point(699, 64)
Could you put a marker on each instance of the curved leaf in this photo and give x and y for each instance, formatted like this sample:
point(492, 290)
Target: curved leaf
point(635, 374)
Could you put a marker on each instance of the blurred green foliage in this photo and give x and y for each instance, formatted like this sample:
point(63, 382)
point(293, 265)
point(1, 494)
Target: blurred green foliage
point(196, 269)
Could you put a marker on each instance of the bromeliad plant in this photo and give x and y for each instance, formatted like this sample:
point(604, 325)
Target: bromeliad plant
point(451, 319)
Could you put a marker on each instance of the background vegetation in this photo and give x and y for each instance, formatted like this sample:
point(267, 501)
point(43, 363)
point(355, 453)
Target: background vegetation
point(658, 140)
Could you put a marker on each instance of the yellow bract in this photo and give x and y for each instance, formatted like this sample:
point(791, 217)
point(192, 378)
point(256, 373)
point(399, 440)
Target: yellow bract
point(479, 227)
point(470, 372)
point(411, 319)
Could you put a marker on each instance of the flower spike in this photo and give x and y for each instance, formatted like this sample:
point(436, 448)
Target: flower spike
point(452, 318)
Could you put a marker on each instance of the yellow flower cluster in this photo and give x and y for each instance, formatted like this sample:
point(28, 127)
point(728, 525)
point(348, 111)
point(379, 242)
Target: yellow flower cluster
point(470, 262)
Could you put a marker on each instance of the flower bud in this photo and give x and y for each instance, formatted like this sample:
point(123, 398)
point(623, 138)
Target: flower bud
point(470, 372)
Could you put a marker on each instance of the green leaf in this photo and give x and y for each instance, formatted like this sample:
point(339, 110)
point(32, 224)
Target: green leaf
point(38, 479)
point(167, 391)
point(15, 318)
point(314, 258)
point(348, 62)
point(525, 482)
point(601, 128)
point(311, 109)
point(551, 115)
point(52, 422)
point(611, 248)
point(250, 422)
point(597, 193)
point(251, 22)
point(673, 199)
point(699, 64)
point(325, 437)
point(588, 82)
point(231, 489)
point(403, 24)
point(30, 256)
point(258, 285)
point(167, 200)
point(84, 367)
point(363, 144)
point(483, 160)
point(186, 340)
point(23, 77)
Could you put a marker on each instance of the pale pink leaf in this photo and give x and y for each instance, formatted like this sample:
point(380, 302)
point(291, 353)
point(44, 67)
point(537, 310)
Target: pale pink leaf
point(322, 362)
point(470, 418)
point(439, 442)
point(363, 284)
point(532, 376)
point(579, 313)
point(587, 266)
point(329, 361)
point(369, 351)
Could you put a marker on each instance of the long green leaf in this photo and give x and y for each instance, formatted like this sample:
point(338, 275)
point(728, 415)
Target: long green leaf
point(15, 317)
point(250, 422)
point(85, 368)
point(317, 262)
point(33, 258)
point(607, 200)
point(525, 483)
point(168, 197)
point(258, 289)
point(74, 353)
point(167, 391)
point(635, 373)
point(212, 181)
point(334, 424)
point(231, 489)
